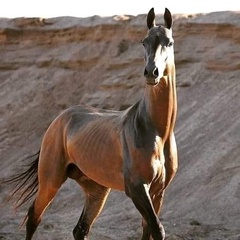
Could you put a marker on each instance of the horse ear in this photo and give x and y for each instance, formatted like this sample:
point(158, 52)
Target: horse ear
point(168, 19)
point(151, 18)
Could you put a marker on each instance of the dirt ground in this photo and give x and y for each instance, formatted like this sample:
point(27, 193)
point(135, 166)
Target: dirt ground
point(47, 66)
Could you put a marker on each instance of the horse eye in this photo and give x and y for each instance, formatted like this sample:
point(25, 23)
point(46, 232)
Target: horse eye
point(170, 44)
point(143, 43)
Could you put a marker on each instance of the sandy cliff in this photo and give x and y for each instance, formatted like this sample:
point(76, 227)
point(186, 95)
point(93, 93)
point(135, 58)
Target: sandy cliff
point(47, 65)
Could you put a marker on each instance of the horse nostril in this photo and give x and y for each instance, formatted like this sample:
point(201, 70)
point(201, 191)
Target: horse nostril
point(145, 72)
point(155, 72)
point(151, 73)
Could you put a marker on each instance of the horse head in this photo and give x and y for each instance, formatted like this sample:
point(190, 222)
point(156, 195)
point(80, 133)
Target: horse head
point(158, 44)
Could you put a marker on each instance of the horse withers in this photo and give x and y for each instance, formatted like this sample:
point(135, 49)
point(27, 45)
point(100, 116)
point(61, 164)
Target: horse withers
point(132, 150)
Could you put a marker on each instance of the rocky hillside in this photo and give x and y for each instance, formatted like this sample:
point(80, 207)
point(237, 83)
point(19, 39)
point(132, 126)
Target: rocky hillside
point(47, 65)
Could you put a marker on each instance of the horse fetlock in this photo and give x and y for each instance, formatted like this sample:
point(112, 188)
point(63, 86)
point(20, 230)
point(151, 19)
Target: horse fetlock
point(80, 232)
point(159, 234)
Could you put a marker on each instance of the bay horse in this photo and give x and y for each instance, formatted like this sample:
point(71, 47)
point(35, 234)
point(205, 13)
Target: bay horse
point(132, 150)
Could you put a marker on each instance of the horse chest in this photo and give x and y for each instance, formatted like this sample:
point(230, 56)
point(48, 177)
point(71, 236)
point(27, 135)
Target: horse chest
point(149, 167)
point(158, 165)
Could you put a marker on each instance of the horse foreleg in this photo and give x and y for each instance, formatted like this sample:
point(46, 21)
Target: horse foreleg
point(157, 200)
point(146, 233)
point(139, 193)
point(171, 159)
point(96, 196)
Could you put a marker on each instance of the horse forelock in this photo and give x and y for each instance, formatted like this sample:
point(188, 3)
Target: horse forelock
point(160, 30)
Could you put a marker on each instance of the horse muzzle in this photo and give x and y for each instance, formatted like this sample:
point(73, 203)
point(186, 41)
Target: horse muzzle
point(152, 76)
point(152, 81)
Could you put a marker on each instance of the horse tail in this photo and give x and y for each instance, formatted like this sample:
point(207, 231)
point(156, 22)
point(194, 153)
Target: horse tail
point(26, 183)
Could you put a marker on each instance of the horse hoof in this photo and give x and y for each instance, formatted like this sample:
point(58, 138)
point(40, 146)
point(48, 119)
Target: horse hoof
point(79, 234)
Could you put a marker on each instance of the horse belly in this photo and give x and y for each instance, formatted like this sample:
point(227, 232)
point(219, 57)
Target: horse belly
point(106, 171)
point(98, 157)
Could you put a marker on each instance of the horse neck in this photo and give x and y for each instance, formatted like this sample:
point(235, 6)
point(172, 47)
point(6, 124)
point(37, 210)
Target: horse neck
point(160, 103)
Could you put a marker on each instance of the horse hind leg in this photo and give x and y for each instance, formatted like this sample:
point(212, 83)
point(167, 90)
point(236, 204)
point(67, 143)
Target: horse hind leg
point(95, 198)
point(50, 180)
point(43, 199)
